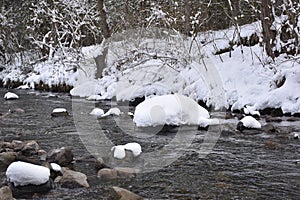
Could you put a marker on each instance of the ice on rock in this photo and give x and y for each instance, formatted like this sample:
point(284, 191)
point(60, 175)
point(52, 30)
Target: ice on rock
point(22, 173)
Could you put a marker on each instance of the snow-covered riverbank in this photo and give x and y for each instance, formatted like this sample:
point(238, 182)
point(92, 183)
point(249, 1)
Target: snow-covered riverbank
point(245, 75)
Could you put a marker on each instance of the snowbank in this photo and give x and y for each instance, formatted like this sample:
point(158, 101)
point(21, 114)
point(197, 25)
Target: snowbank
point(170, 110)
point(22, 173)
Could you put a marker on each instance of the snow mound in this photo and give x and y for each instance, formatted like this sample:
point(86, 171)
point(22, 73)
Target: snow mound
point(250, 122)
point(112, 111)
point(250, 110)
point(85, 89)
point(59, 110)
point(55, 167)
point(169, 110)
point(134, 147)
point(22, 173)
point(119, 151)
point(10, 96)
point(97, 112)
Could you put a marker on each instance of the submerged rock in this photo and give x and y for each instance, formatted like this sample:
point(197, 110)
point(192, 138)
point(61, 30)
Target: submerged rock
point(121, 193)
point(107, 174)
point(5, 193)
point(72, 179)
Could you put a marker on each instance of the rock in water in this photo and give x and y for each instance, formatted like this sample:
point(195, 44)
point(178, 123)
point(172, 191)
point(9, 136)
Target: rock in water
point(10, 96)
point(63, 156)
point(6, 158)
point(58, 112)
point(121, 193)
point(22, 173)
point(134, 147)
point(5, 193)
point(248, 122)
point(73, 179)
point(97, 112)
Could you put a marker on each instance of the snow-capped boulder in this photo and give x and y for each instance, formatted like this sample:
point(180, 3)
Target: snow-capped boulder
point(57, 112)
point(118, 151)
point(251, 110)
point(22, 173)
point(134, 147)
point(170, 110)
point(248, 122)
point(296, 136)
point(55, 167)
point(97, 112)
point(10, 96)
point(23, 87)
point(94, 97)
point(112, 111)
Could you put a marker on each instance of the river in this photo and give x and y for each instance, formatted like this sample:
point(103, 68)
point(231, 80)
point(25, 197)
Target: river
point(255, 165)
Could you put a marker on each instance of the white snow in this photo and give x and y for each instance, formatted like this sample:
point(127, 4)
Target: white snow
point(250, 122)
point(97, 112)
point(55, 167)
point(119, 151)
point(94, 97)
point(10, 95)
point(251, 110)
point(22, 173)
point(112, 111)
point(246, 74)
point(23, 87)
point(296, 136)
point(134, 147)
point(170, 110)
point(59, 110)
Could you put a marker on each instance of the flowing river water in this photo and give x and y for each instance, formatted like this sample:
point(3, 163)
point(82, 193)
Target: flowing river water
point(249, 165)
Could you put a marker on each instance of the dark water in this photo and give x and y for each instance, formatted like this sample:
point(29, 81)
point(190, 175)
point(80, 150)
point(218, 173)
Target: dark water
point(254, 165)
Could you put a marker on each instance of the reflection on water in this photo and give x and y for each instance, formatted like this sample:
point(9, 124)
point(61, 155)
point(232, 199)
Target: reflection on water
point(240, 166)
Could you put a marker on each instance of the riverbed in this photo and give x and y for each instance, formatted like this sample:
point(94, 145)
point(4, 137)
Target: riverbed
point(249, 165)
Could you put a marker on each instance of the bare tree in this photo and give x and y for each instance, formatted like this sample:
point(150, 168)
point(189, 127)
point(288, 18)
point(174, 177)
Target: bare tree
point(101, 59)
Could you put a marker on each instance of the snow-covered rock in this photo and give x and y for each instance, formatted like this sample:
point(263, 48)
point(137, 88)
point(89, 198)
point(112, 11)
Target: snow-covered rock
point(10, 96)
point(55, 167)
point(112, 111)
point(97, 112)
point(118, 151)
point(248, 122)
point(134, 147)
point(59, 112)
point(23, 87)
point(22, 173)
point(251, 110)
point(296, 136)
point(170, 110)
point(94, 97)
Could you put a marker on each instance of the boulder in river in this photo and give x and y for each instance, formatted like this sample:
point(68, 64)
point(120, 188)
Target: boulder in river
point(26, 178)
point(108, 174)
point(30, 148)
point(72, 179)
point(5, 193)
point(63, 156)
point(6, 158)
point(121, 193)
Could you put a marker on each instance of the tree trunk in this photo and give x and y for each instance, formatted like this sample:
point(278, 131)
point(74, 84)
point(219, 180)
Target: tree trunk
point(101, 59)
point(267, 20)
